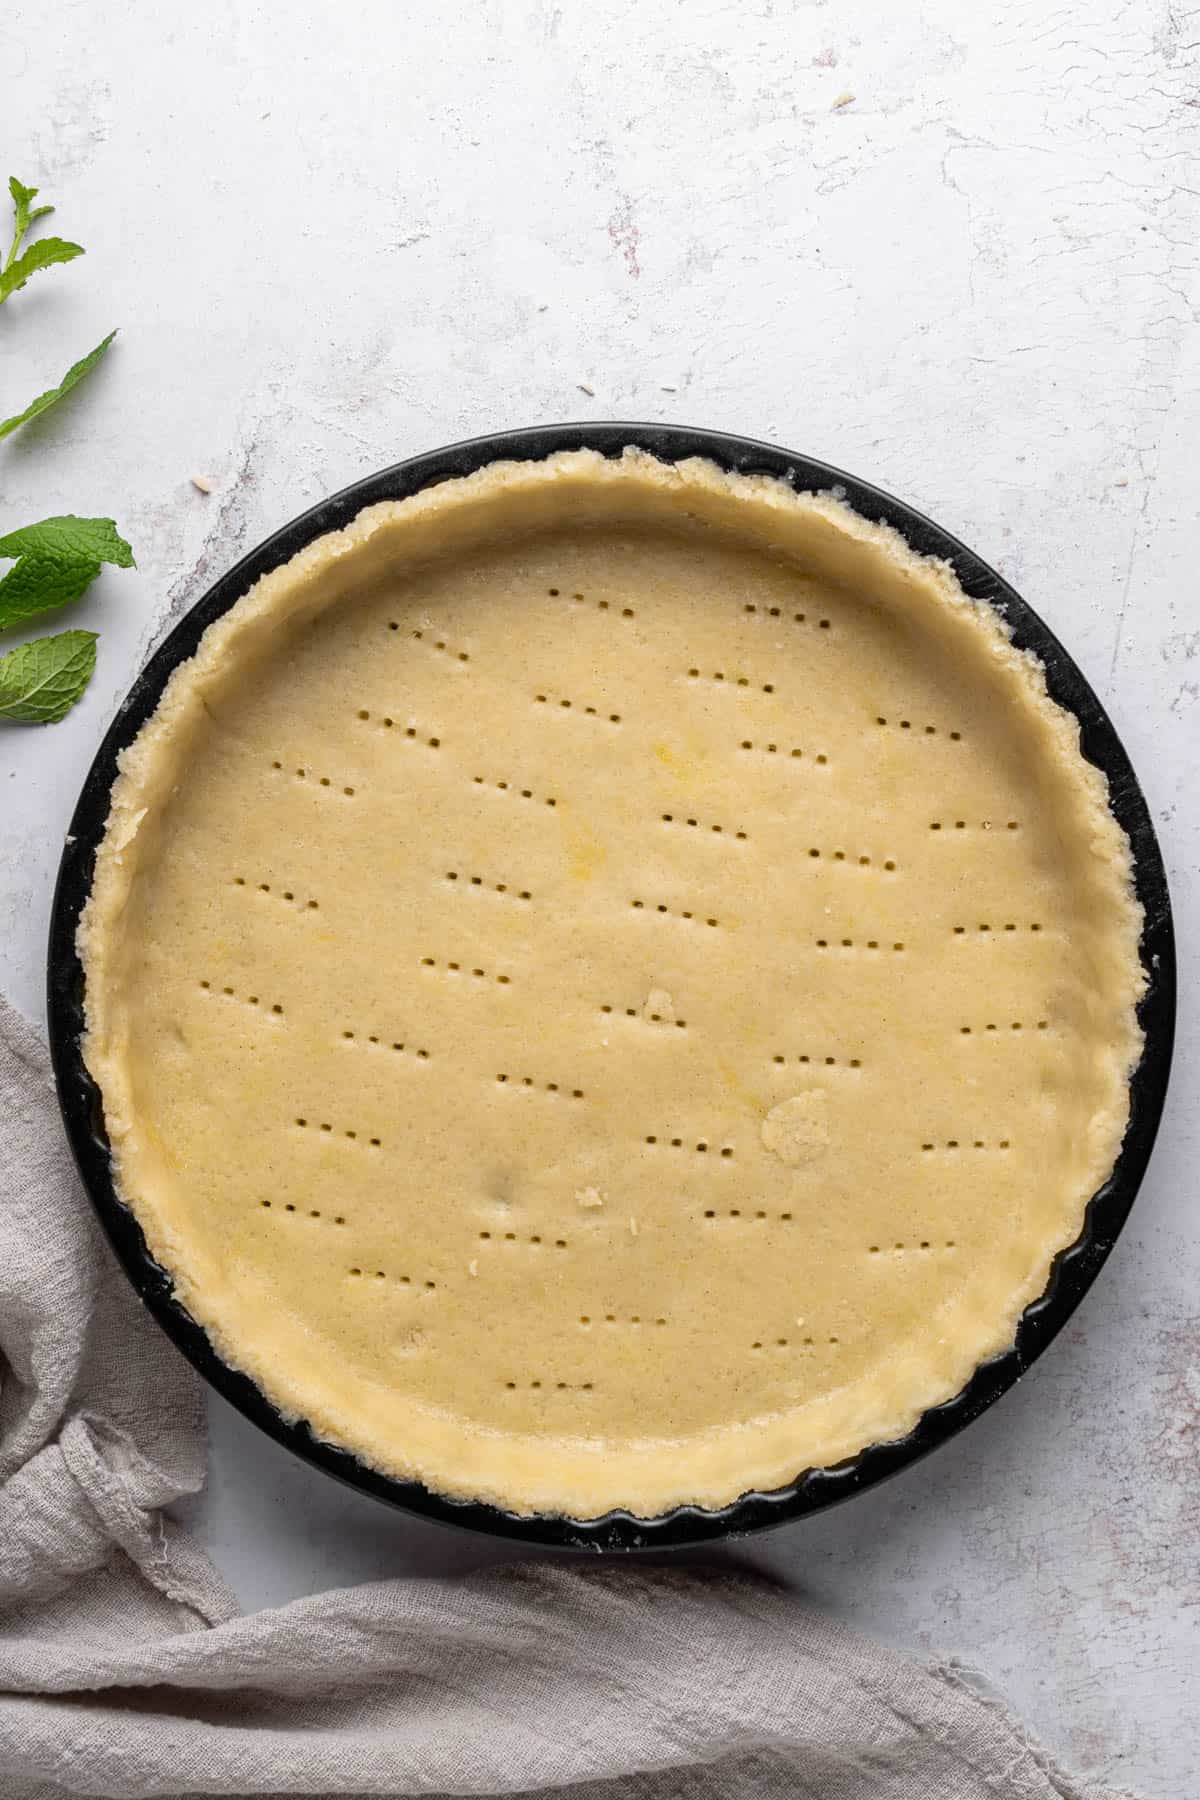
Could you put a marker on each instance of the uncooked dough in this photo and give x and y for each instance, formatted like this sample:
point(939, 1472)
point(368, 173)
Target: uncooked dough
point(571, 926)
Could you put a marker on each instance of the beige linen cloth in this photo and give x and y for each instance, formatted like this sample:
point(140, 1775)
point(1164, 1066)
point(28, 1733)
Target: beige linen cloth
point(126, 1668)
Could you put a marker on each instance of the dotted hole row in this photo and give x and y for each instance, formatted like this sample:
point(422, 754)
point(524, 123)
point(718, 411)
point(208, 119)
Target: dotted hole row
point(779, 750)
point(641, 906)
point(759, 1217)
point(227, 993)
point(702, 1147)
point(743, 681)
point(899, 1249)
point(632, 1012)
point(506, 787)
point(373, 1143)
point(966, 1144)
point(373, 1039)
point(289, 1206)
point(382, 1275)
point(495, 887)
point(264, 887)
point(545, 1087)
point(513, 1237)
point(325, 781)
point(843, 856)
point(697, 825)
point(600, 605)
point(410, 731)
point(853, 944)
point(558, 1387)
point(907, 725)
point(828, 1062)
point(457, 968)
point(569, 705)
point(634, 1319)
point(778, 612)
point(962, 930)
point(804, 1343)
point(973, 1030)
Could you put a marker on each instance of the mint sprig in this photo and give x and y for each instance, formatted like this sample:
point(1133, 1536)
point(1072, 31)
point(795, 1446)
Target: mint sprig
point(56, 560)
point(15, 271)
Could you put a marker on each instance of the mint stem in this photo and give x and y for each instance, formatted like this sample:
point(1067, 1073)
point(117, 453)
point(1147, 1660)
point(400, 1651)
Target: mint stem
point(18, 234)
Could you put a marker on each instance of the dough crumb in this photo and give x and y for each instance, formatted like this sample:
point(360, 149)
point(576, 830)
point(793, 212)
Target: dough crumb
point(585, 387)
point(589, 1197)
point(205, 483)
point(633, 1228)
point(658, 1007)
point(473, 1267)
point(843, 100)
point(797, 1130)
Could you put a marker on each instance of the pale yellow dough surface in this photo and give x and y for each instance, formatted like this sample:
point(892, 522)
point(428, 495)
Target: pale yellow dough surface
point(611, 983)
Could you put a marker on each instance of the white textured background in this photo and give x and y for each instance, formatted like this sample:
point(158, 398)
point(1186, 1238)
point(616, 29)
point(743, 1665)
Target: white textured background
point(336, 233)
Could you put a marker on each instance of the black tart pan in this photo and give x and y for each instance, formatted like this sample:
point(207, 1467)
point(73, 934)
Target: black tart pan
point(1074, 1269)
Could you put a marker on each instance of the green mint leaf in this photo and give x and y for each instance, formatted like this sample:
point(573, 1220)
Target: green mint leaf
point(40, 682)
point(36, 586)
point(98, 539)
point(56, 561)
point(74, 374)
point(41, 255)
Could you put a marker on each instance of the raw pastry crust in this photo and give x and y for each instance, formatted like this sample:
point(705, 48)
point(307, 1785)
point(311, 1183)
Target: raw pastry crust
point(611, 983)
